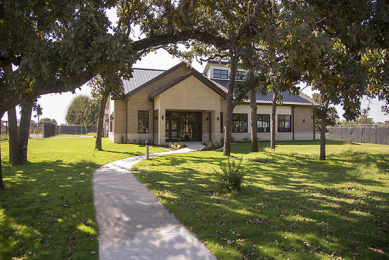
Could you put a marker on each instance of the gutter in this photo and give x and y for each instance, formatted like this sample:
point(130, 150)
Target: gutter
point(314, 135)
point(153, 122)
point(210, 129)
point(126, 119)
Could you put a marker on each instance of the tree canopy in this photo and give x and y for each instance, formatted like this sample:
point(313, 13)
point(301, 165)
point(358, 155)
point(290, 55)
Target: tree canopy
point(48, 120)
point(83, 111)
point(56, 46)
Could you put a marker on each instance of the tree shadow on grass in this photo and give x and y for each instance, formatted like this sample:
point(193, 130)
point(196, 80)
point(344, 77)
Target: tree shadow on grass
point(48, 211)
point(291, 205)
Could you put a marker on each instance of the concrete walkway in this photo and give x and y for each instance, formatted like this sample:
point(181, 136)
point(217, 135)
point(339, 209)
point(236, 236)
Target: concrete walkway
point(133, 224)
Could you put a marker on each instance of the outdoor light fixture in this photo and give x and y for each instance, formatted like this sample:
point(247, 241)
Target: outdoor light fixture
point(156, 118)
point(217, 118)
point(162, 117)
point(303, 120)
point(207, 118)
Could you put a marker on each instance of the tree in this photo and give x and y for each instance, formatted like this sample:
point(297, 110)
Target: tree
point(331, 116)
point(24, 129)
point(364, 118)
point(14, 157)
point(234, 22)
point(83, 111)
point(38, 110)
point(102, 88)
point(59, 46)
point(48, 120)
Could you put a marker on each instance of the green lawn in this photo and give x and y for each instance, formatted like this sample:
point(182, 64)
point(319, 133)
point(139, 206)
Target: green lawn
point(291, 206)
point(47, 210)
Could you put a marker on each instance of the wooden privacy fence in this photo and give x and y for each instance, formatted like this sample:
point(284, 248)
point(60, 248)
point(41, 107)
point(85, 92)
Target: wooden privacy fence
point(76, 129)
point(375, 134)
point(49, 129)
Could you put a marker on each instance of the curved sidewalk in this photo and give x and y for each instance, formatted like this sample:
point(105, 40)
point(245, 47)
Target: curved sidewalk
point(133, 224)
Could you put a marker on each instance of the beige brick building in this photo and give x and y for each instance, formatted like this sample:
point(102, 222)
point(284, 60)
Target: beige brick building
point(181, 104)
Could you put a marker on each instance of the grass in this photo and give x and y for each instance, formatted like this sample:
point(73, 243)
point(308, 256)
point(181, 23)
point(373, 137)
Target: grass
point(291, 206)
point(47, 210)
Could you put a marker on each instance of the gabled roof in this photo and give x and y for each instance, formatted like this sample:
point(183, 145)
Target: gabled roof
point(197, 75)
point(288, 98)
point(144, 78)
point(140, 76)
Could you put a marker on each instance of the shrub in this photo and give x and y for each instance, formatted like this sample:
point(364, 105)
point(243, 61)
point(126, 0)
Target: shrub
point(231, 175)
point(182, 144)
point(123, 140)
point(246, 139)
point(209, 145)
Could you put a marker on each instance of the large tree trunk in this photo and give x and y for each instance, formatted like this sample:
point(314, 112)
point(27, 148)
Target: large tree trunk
point(24, 130)
point(253, 105)
point(273, 122)
point(14, 157)
point(230, 107)
point(100, 124)
point(1, 167)
point(323, 128)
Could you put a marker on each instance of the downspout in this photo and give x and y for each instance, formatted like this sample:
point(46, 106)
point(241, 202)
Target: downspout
point(126, 119)
point(314, 135)
point(293, 121)
point(210, 127)
point(153, 122)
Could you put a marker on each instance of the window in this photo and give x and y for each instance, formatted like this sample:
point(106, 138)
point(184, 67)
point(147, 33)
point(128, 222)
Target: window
point(241, 75)
point(143, 121)
point(239, 123)
point(284, 123)
point(220, 74)
point(221, 122)
point(263, 123)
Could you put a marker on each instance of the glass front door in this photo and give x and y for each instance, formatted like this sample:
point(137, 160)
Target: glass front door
point(183, 126)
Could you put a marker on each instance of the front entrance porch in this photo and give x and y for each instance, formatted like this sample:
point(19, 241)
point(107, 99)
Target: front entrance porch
point(183, 126)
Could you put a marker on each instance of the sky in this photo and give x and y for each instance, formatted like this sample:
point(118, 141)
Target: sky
point(55, 106)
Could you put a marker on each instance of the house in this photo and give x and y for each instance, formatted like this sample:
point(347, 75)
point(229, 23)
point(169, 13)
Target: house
point(182, 104)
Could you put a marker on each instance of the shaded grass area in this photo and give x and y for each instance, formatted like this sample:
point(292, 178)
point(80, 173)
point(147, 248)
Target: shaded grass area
point(291, 206)
point(47, 210)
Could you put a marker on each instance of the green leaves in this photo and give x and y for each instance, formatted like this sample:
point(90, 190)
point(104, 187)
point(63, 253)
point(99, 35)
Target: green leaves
point(231, 175)
point(83, 111)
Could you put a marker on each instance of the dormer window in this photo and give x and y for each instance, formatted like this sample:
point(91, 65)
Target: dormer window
point(241, 75)
point(220, 74)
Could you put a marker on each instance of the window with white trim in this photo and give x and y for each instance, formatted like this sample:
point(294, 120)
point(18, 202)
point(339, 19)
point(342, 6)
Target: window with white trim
point(220, 74)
